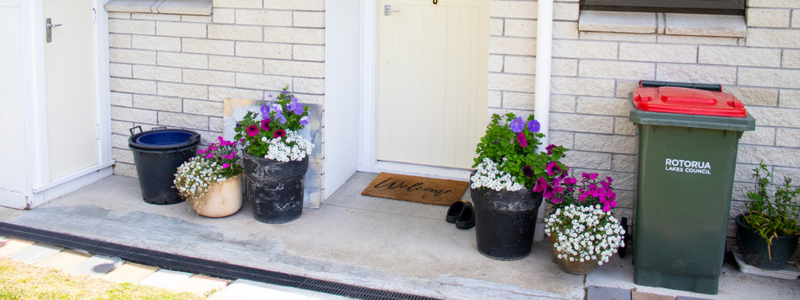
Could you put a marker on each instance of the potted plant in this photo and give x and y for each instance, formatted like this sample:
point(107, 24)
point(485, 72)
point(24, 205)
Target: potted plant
point(767, 233)
point(502, 186)
point(582, 229)
point(212, 181)
point(275, 158)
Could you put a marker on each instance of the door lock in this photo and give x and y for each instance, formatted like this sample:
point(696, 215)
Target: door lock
point(387, 10)
point(49, 29)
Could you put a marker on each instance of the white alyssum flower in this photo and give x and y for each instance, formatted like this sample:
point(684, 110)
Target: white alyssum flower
point(488, 175)
point(585, 233)
point(193, 177)
point(292, 147)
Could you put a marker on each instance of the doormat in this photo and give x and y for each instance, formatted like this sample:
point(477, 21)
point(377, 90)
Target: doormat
point(416, 189)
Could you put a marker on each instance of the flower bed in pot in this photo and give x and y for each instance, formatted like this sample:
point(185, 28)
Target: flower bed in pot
point(212, 181)
point(502, 187)
point(275, 158)
point(582, 229)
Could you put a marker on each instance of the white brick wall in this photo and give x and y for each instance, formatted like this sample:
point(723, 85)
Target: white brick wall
point(175, 70)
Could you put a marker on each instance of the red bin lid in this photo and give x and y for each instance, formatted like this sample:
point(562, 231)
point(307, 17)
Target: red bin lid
point(679, 100)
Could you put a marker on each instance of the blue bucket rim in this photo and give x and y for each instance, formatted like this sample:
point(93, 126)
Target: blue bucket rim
point(194, 140)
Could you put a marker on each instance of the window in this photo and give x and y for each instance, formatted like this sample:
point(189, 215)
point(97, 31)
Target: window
point(725, 7)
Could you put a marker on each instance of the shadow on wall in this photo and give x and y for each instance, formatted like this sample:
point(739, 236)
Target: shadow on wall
point(235, 109)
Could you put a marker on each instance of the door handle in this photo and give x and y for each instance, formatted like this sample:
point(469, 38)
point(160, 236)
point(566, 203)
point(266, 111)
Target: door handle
point(387, 10)
point(48, 24)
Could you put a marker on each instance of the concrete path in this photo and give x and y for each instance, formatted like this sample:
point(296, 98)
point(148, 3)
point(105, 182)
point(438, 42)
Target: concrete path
point(364, 241)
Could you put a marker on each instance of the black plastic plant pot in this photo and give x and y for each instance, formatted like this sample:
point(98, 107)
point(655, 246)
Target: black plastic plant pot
point(157, 154)
point(275, 188)
point(754, 248)
point(505, 222)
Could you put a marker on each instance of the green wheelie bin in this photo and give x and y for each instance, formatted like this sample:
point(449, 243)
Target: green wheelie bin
point(688, 140)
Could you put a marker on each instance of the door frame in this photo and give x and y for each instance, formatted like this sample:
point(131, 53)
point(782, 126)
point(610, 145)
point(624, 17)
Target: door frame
point(368, 161)
point(41, 188)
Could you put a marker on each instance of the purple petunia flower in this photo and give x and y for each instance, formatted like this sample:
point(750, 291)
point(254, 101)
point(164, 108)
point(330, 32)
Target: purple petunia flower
point(552, 168)
point(252, 130)
point(280, 118)
point(550, 149)
point(527, 171)
point(534, 126)
point(304, 121)
point(279, 133)
point(541, 185)
point(298, 109)
point(265, 124)
point(277, 108)
point(522, 140)
point(264, 111)
point(517, 125)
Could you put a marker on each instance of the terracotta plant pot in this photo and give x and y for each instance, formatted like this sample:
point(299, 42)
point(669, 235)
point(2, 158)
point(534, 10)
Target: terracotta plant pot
point(222, 199)
point(573, 267)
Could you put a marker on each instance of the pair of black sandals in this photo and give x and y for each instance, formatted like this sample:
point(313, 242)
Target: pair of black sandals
point(462, 214)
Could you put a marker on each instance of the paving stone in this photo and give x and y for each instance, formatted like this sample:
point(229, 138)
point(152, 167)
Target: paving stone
point(648, 296)
point(246, 290)
point(130, 272)
point(12, 245)
point(607, 293)
point(64, 260)
point(199, 284)
point(35, 253)
point(165, 279)
point(689, 298)
point(96, 266)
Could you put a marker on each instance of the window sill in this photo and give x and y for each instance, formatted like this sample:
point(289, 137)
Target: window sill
point(178, 7)
point(662, 23)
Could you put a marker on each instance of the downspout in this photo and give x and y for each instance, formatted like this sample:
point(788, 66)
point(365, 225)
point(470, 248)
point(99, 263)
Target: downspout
point(541, 105)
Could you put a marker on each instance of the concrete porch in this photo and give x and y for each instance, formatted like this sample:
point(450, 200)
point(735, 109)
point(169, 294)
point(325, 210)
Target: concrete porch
point(365, 241)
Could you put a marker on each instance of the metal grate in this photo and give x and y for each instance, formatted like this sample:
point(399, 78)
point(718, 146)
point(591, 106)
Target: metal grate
point(193, 265)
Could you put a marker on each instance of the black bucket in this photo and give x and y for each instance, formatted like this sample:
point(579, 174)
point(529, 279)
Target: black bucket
point(275, 188)
point(505, 222)
point(158, 153)
point(754, 248)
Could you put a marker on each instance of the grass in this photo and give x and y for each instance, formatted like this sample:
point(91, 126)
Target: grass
point(21, 281)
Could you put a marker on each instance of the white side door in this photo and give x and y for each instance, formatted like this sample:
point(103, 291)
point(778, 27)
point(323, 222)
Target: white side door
point(70, 64)
point(432, 81)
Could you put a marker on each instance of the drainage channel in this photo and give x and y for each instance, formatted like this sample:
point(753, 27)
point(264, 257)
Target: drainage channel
point(193, 265)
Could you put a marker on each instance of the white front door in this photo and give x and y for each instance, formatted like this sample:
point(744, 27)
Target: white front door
point(70, 58)
point(432, 80)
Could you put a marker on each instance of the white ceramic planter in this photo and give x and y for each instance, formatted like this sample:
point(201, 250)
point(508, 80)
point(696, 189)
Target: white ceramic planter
point(223, 199)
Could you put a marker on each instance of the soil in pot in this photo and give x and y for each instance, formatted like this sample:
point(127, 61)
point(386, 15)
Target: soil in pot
point(754, 248)
point(275, 188)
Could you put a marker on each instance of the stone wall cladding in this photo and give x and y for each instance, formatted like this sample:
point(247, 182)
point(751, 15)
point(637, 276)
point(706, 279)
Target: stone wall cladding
point(175, 70)
point(593, 72)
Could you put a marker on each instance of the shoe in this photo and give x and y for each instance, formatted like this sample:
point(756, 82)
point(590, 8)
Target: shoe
point(467, 218)
point(454, 211)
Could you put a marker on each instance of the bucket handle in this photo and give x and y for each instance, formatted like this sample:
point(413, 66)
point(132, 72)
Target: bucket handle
point(134, 127)
point(158, 127)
